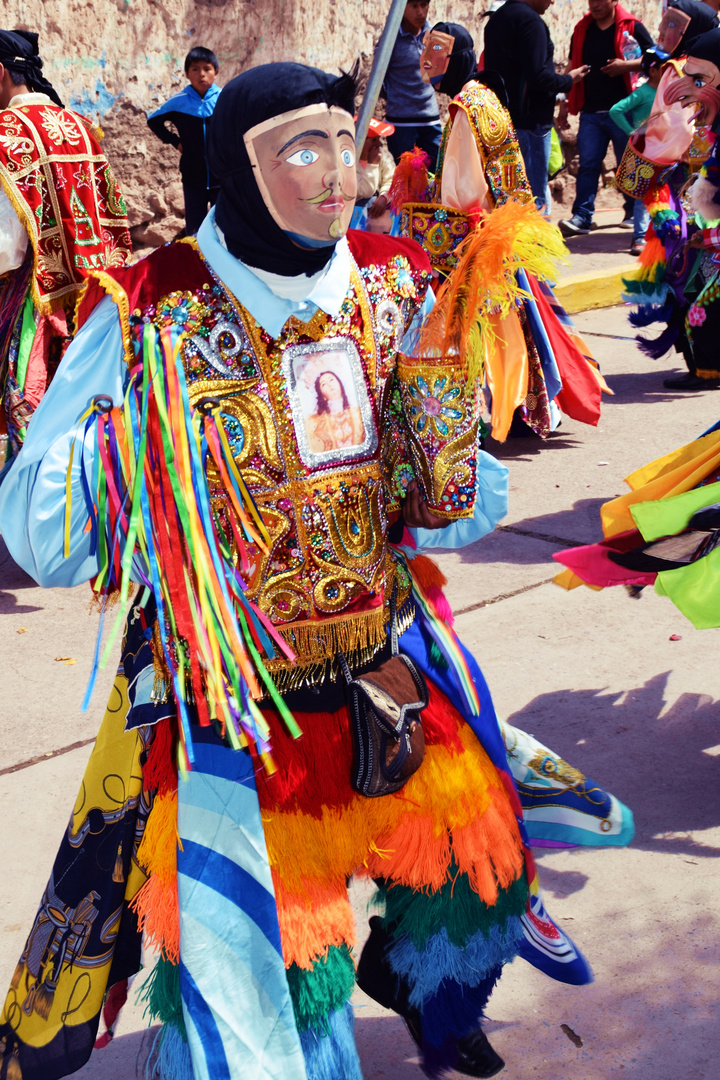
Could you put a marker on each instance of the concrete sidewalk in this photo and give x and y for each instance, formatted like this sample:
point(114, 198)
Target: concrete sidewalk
point(593, 675)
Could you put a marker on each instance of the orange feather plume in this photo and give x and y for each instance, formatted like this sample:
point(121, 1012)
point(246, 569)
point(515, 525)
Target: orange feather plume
point(484, 282)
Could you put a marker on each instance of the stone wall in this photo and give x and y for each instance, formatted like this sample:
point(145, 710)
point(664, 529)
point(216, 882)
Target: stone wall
point(115, 60)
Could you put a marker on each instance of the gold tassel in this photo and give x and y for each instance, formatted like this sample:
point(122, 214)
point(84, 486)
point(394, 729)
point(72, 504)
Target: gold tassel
point(17, 976)
point(119, 871)
point(163, 678)
point(42, 1000)
point(14, 1072)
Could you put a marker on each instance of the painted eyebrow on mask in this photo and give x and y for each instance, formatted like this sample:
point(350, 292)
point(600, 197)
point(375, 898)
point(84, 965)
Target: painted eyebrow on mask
point(305, 134)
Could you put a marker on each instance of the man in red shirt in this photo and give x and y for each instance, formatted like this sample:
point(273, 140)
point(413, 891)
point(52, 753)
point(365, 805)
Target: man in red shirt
point(599, 40)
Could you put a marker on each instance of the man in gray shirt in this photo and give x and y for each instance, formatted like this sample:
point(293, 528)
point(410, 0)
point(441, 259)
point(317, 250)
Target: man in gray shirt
point(411, 104)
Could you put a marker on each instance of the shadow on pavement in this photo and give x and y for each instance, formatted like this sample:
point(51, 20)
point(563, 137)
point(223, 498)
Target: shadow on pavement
point(560, 883)
point(647, 388)
point(578, 525)
point(386, 1050)
point(602, 239)
point(645, 751)
point(125, 1058)
point(530, 445)
point(11, 576)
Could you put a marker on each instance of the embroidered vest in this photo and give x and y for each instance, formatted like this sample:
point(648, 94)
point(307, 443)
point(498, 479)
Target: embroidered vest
point(63, 190)
point(327, 424)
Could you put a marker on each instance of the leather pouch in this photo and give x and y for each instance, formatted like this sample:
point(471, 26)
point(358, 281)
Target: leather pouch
point(385, 706)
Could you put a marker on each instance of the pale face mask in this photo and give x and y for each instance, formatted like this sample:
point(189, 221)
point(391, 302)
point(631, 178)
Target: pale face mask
point(673, 25)
point(304, 164)
point(699, 85)
point(435, 57)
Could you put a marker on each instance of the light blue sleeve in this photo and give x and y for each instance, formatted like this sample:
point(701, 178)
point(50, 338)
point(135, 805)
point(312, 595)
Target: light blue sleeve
point(491, 506)
point(32, 496)
point(410, 339)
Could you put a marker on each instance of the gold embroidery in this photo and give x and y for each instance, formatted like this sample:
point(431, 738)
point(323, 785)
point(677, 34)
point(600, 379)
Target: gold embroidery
point(252, 413)
point(451, 464)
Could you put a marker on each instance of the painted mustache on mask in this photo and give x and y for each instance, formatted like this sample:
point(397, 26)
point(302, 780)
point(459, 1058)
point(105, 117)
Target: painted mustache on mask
point(324, 195)
point(706, 97)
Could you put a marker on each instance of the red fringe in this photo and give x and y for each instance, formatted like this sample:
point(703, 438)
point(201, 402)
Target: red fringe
point(314, 770)
point(653, 252)
point(160, 770)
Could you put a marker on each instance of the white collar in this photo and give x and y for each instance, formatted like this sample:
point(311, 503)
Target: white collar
point(260, 292)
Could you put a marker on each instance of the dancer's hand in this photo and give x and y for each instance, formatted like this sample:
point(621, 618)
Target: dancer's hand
point(415, 511)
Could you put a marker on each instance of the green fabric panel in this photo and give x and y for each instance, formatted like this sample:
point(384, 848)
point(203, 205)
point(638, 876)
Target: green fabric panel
point(317, 993)
point(666, 517)
point(456, 907)
point(695, 590)
point(27, 336)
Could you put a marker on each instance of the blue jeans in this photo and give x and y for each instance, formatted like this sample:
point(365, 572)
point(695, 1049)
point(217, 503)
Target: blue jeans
point(425, 136)
point(641, 220)
point(595, 134)
point(535, 149)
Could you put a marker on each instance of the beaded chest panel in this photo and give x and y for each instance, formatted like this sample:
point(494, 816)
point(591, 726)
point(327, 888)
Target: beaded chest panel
point(316, 426)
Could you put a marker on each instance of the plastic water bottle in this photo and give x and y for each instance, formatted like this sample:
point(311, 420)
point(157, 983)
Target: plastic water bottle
point(629, 47)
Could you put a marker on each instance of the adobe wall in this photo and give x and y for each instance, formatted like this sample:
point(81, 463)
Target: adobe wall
point(117, 59)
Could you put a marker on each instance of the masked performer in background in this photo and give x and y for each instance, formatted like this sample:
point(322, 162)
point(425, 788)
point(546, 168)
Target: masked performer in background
point(183, 424)
point(61, 216)
point(534, 361)
point(677, 282)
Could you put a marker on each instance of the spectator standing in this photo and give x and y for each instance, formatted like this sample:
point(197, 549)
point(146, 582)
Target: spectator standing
point(411, 104)
point(375, 171)
point(189, 112)
point(604, 40)
point(628, 114)
point(518, 46)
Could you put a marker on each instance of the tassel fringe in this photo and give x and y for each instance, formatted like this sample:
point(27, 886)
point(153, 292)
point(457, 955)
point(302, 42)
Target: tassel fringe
point(451, 1014)
point(425, 970)
point(321, 991)
point(161, 994)
point(171, 1058)
point(309, 921)
point(449, 792)
point(418, 916)
point(332, 1056)
point(156, 904)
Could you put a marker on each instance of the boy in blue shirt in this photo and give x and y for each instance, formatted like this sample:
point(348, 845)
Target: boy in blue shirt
point(189, 112)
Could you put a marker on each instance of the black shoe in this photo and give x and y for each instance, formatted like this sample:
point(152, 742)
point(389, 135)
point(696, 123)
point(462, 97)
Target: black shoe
point(476, 1056)
point(690, 382)
point(376, 978)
